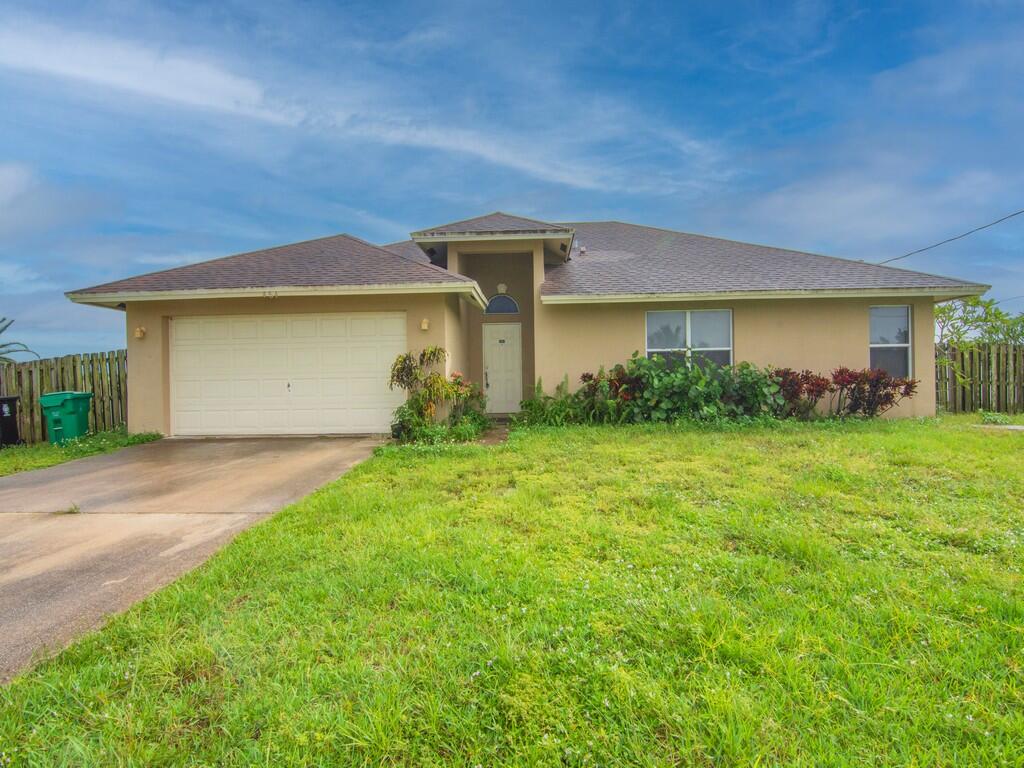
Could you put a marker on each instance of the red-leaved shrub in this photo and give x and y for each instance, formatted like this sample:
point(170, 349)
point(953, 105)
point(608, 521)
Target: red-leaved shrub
point(868, 392)
point(801, 391)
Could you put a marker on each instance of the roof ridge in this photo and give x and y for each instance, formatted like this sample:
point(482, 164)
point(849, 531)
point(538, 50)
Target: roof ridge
point(775, 248)
point(220, 258)
point(506, 214)
point(402, 256)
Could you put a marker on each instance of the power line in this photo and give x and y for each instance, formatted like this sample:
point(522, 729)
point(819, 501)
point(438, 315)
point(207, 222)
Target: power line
point(958, 237)
point(1012, 298)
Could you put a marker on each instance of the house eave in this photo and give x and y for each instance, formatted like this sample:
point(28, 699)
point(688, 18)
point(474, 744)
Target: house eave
point(939, 294)
point(115, 298)
point(450, 237)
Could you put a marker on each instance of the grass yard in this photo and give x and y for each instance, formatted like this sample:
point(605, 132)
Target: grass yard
point(798, 595)
point(20, 458)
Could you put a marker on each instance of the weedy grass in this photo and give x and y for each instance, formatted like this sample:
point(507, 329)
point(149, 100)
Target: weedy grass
point(793, 594)
point(21, 458)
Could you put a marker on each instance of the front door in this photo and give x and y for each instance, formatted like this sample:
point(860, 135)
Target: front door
point(503, 367)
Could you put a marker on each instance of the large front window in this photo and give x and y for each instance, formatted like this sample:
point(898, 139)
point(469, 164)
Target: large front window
point(890, 340)
point(700, 334)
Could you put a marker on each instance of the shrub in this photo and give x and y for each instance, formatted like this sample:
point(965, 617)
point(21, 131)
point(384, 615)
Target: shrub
point(666, 390)
point(800, 392)
point(655, 389)
point(994, 417)
point(869, 392)
point(555, 410)
point(660, 389)
point(416, 420)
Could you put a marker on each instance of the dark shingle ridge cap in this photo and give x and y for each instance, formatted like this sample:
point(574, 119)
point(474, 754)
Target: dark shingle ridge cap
point(432, 267)
point(777, 248)
point(204, 261)
point(270, 250)
point(552, 226)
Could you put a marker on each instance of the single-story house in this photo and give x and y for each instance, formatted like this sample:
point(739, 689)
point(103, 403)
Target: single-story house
point(299, 339)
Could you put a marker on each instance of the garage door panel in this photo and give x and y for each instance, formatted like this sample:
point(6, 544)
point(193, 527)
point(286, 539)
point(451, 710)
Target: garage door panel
point(273, 328)
point(245, 359)
point(215, 330)
point(305, 388)
point(245, 329)
point(186, 330)
point(334, 387)
point(219, 390)
point(231, 375)
point(392, 326)
point(307, 359)
point(333, 328)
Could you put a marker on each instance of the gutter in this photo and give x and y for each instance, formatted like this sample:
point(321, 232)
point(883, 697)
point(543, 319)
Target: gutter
point(941, 294)
point(114, 298)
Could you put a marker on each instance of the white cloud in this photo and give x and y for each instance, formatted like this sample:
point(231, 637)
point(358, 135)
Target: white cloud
point(28, 205)
point(145, 70)
point(16, 278)
point(571, 147)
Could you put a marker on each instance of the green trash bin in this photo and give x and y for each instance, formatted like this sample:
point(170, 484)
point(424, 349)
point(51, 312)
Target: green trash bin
point(67, 415)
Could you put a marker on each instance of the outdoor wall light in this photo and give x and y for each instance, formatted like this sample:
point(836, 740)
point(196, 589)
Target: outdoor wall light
point(140, 332)
point(425, 324)
point(502, 288)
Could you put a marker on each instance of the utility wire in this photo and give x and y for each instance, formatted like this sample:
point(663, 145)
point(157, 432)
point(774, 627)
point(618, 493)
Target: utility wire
point(958, 237)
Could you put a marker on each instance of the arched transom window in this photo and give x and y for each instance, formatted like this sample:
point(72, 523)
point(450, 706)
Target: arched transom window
point(502, 304)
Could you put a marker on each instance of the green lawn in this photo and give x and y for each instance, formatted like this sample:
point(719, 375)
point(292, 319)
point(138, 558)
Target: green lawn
point(803, 595)
point(20, 458)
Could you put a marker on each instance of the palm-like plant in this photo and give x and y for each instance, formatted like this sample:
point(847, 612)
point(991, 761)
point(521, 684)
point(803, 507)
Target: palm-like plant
point(8, 348)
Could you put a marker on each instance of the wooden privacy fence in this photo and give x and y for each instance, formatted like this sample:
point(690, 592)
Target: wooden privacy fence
point(102, 373)
point(988, 377)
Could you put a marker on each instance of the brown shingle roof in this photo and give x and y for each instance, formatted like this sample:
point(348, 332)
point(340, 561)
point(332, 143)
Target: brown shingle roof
point(494, 223)
point(339, 260)
point(630, 259)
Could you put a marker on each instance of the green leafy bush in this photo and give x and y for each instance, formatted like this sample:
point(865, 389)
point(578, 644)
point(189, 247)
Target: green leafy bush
point(994, 417)
point(666, 390)
point(419, 419)
point(657, 390)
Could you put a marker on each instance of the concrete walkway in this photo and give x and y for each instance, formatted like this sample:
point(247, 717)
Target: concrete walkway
point(88, 538)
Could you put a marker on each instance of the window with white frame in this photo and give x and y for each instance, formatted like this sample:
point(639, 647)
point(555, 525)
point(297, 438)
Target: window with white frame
point(698, 334)
point(890, 345)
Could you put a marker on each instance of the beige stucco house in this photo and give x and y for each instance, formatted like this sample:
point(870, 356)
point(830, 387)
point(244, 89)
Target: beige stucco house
point(299, 339)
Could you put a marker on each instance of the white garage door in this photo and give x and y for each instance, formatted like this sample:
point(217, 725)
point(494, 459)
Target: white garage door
point(284, 374)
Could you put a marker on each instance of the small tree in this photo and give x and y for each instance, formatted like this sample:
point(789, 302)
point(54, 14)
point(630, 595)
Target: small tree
point(966, 324)
point(8, 348)
point(427, 388)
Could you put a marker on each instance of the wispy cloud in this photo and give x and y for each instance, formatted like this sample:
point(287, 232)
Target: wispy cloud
point(15, 278)
point(561, 147)
point(150, 71)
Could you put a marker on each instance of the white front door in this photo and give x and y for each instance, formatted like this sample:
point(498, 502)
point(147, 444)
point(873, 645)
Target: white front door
point(284, 374)
point(503, 367)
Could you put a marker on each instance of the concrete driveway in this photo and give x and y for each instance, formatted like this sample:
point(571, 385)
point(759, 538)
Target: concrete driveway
point(90, 537)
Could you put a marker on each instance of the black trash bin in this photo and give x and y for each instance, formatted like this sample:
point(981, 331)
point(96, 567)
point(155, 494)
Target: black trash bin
point(9, 432)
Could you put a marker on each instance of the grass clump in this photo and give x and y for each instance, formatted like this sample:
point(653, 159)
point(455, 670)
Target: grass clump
point(20, 458)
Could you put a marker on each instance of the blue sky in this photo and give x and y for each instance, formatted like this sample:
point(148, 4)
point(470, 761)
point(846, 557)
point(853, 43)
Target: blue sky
point(137, 136)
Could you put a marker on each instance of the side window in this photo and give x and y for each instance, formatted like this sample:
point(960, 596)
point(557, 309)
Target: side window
point(704, 334)
point(890, 341)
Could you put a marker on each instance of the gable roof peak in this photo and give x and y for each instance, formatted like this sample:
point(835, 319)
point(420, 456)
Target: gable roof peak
point(495, 223)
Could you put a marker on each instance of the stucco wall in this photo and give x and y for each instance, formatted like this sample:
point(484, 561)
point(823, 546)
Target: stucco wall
point(148, 358)
point(819, 334)
point(489, 270)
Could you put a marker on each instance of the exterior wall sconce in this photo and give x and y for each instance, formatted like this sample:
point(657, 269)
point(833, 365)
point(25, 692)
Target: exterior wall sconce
point(502, 288)
point(425, 324)
point(140, 333)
